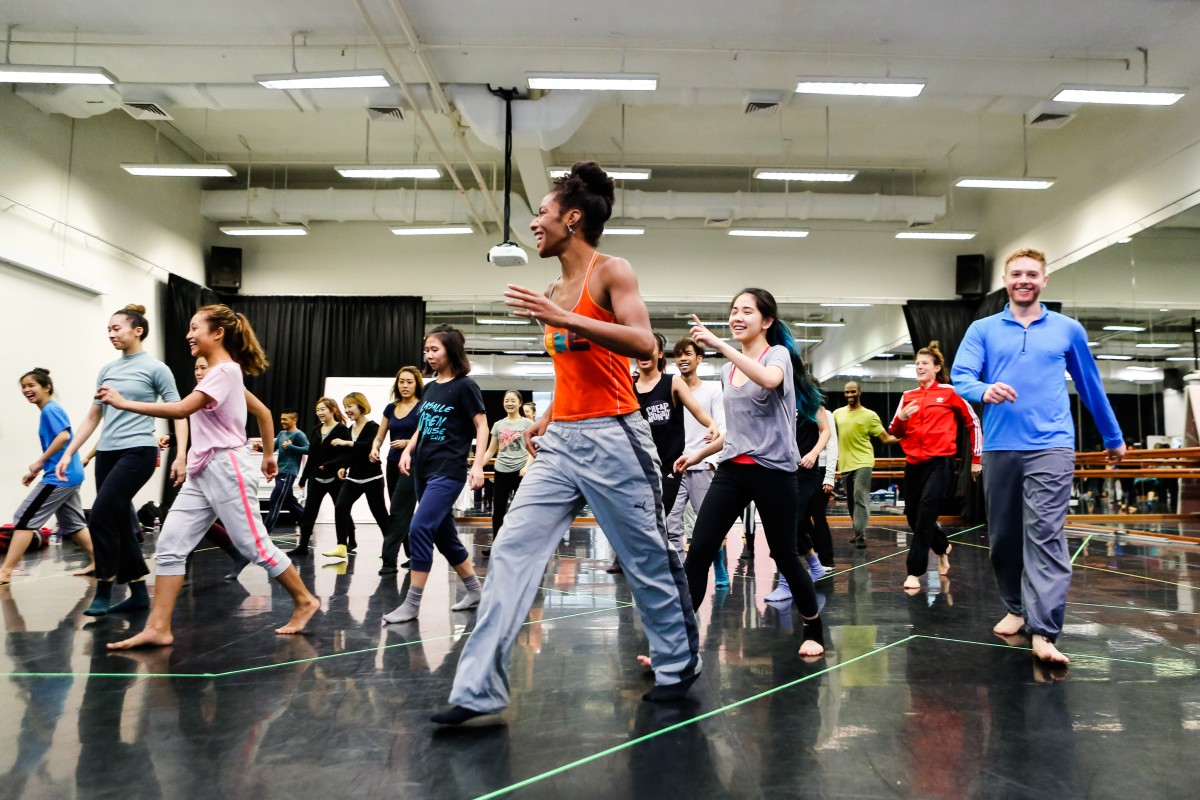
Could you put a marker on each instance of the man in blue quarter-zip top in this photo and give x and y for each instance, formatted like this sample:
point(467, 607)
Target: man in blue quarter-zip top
point(1015, 363)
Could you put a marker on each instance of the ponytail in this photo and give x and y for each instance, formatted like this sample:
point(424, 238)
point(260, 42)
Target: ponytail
point(240, 340)
point(934, 351)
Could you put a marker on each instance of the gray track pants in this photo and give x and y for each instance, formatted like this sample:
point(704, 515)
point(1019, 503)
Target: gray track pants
point(610, 463)
point(692, 489)
point(858, 498)
point(1027, 493)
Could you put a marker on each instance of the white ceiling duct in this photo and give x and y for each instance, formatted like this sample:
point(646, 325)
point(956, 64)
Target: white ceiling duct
point(409, 205)
point(544, 124)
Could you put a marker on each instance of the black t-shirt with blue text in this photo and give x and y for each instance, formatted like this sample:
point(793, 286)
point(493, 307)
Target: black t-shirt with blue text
point(447, 427)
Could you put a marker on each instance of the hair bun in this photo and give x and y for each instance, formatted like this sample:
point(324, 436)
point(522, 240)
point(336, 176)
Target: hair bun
point(135, 308)
point(41, 370)
point(935, 345)
point(595, 179)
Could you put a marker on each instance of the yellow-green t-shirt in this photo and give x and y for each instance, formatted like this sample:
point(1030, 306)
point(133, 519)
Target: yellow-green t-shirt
point(854, 431)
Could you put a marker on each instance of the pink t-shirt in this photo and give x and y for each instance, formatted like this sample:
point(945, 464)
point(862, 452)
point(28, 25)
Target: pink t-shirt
point(221, 424)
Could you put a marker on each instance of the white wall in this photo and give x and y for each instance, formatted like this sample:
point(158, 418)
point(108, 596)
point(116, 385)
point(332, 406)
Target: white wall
point(63, 196)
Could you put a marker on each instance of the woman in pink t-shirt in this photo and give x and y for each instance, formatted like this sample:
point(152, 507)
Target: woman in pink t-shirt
point(221, 479)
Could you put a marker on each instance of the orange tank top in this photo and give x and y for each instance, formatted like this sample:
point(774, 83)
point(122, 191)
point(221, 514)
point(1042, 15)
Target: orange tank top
point(589, 380)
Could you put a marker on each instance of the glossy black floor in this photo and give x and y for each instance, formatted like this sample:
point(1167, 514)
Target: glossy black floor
point(915, 698)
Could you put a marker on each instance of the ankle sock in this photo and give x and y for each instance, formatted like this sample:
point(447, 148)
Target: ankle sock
point(409, 609)
point(99, 606)
point(471, 599)
point(138, 600)
point(781, 593)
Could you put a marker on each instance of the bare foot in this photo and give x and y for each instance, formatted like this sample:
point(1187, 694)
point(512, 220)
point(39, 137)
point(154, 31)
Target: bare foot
point(1045, 650)
point(944, 564)
point(147, 638)
point(5, 578)
point(90, 569)
point(811, 649)
point(912, 582)
point(644, 661)
point(1047, 673)
point(1009, 626)
point(300, 617)
point(949, 547)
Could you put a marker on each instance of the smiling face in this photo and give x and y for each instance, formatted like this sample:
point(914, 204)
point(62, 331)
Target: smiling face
point(746, 322)
point(512, 403)
point(927, 371)
point(33, 391)
point(1024, 279)
point(353, 412)
point(287, 421)
point(323, 414)
point(203, 337)
point(550, 226)
point(687, 359)
point(852, 393)
point(200, 369)
point(122, 334)
point(649, 366)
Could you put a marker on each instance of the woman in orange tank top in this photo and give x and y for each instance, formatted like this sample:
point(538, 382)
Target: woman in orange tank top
point(593, 446)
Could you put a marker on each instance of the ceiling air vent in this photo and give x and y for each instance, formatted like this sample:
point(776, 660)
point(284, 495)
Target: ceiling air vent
point(762, 104)
point(385, 114)
point(1053, 121)
point(145, 111)
point(1049, 115)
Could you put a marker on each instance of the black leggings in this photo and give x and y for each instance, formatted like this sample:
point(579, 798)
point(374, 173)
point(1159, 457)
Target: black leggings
point(506, 485)
point(317, 492)
point(346, 499)
point(814, 528)
point(403, 503)
point(926, 485)
point(774, 492)
point(808, 483)
point(120, 474)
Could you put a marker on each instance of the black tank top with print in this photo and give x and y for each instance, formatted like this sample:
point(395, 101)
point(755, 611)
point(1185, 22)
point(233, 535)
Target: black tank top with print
point(666, 421)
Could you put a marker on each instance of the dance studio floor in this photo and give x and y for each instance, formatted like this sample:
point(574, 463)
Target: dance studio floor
point(915, 698)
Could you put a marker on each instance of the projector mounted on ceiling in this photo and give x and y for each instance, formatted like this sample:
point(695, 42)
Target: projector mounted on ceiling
point(508, 253)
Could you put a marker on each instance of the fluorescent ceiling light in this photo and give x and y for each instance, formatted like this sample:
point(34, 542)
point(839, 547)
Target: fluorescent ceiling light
point(961, 235)
point(1093, 344)
point(818, 324)
point(1157, 346)
point(715, 323)
point(1142, 369)
point(806, 175)
point(30, 73)
point(345, 79)
point(885, 355)
point(861, 87)
point(1126, 328)
point(1105, 357)
point(1119, 95)
point(768, 234)
point(621, 174)
point(1181, 358)
point(809, 341)
point(846, 305)
point(181, 170)
point(543, 363)
point(1004, 183)
point(520, 352)
point(264, 230)
point(441, 230)
point(504, 321)
point(624, 231)
point(593, 82)
point(516, 338)
point(1125, 240)
point(382, 171)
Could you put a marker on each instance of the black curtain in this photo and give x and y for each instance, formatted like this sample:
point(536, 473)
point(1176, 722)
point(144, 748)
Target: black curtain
point(308, 339)
point(180, 298)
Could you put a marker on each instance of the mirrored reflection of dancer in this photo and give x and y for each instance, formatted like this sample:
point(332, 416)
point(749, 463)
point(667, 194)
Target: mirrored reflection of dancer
point(402, 416)
point(221, 480)
point(507, 446)
point(52, 495)
point(593, 446)
point(766, 387)
point(926, 423)
point(361, 474)
point(127, 456)
point(452, 414)
point(1015, 362)
point(320, 477)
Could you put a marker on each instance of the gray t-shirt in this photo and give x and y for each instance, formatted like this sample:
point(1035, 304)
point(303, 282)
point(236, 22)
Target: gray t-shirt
point(511, 456)
point(761, 423)
point(139, 377)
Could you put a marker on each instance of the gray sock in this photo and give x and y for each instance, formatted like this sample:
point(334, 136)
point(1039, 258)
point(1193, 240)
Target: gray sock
point(471, 598)
point(409, 609)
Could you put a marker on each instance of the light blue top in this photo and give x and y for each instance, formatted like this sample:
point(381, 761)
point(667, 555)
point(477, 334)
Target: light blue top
point(289, 457)
point(1034, 361)
point(139, 377)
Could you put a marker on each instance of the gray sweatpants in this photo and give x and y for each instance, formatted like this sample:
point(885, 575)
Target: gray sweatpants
point(692, 489)
point(858, 498)
point(1027, 494)
point(609, 463)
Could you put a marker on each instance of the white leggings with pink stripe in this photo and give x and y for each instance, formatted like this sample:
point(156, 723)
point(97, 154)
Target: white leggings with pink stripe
point(227, 488)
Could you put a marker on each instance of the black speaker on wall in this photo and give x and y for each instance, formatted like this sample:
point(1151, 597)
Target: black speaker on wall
point(970, 276)
point(225, 269)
